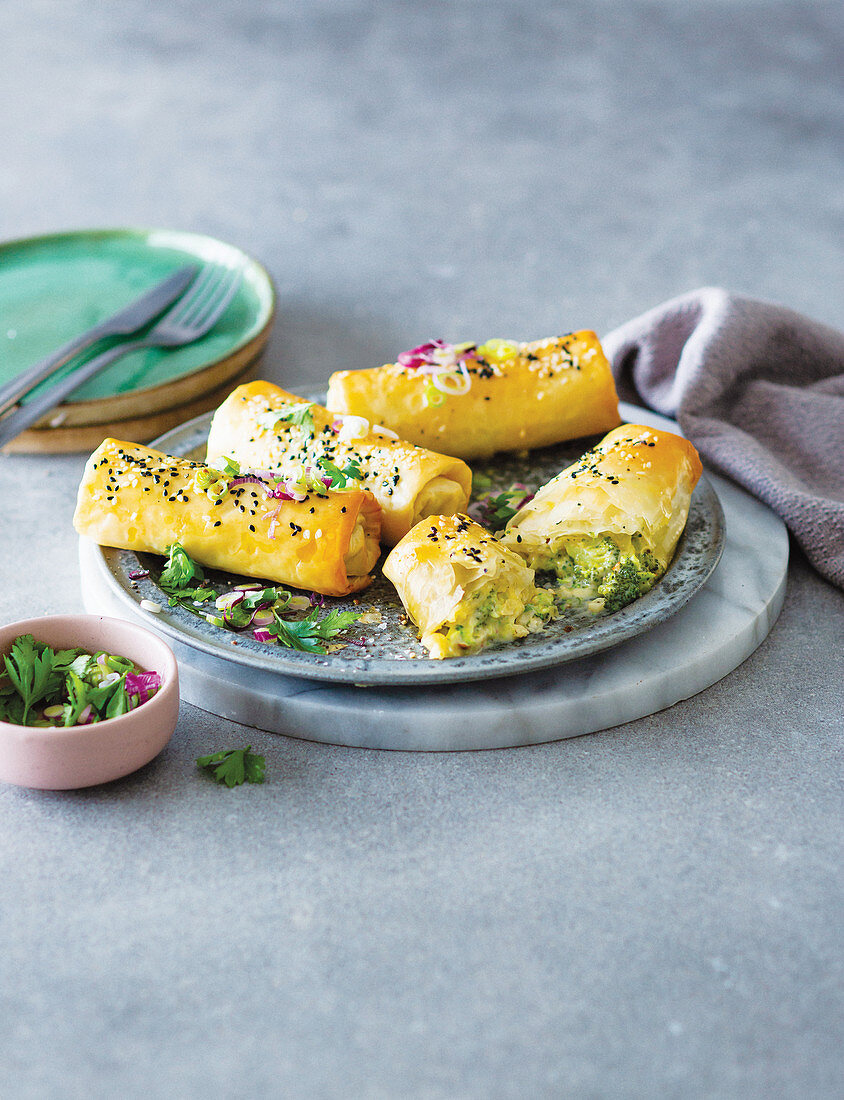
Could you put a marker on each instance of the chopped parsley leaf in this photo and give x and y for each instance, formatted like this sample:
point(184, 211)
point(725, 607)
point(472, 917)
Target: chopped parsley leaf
point(308, 634)
point(340, 478)
point(234, 766)
point(180, 570)
point(299, 414)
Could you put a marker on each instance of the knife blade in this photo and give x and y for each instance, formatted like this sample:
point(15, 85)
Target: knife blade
point(127, 320)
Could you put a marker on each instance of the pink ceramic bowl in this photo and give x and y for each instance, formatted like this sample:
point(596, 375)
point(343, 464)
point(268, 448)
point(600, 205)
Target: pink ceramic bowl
point(81, 756)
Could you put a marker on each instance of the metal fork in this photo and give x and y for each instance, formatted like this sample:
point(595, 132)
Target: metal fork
point(194, 315)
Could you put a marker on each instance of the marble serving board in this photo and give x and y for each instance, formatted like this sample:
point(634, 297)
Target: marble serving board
point(700, 643)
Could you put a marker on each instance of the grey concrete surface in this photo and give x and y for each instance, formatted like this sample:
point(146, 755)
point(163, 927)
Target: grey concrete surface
point(653, 911)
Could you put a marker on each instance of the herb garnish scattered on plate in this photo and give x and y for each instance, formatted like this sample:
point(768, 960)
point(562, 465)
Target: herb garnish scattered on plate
point(495, 510)
point(272, 613)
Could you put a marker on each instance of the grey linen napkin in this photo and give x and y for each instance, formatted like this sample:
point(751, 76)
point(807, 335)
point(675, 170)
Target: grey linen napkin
point(759, 390)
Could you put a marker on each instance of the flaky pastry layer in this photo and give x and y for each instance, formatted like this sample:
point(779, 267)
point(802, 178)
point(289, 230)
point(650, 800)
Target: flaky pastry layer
point(549, 391)
point(409, 482)
point(138, 498)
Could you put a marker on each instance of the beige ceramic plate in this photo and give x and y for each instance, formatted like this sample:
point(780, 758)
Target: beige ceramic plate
point(137, 429)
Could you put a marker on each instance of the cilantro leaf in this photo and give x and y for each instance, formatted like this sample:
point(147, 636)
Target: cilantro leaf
point(119, 702)
point(497, 510)
point(11, 708)
point(334, 621)
point(63, 658)
point(232, 467)
point(339, 478)
point(185, 597)
point(308, 635)
point(235, 766)
point(69, 684)
point(29, 667)
point(295, 635)
point(299, 414)
point(77, 692)
point(180, 570)
point(501, 509)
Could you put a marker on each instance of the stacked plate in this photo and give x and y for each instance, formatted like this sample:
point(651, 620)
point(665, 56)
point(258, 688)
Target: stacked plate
point(55, 287)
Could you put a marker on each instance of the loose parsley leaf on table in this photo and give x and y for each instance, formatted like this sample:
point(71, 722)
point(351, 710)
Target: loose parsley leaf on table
point(235, 766)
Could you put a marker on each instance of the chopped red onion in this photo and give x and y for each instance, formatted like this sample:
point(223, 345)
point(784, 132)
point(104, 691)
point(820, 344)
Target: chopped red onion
point(273, 518)
point(142, 684)
point(423, 353)
point(246, 479)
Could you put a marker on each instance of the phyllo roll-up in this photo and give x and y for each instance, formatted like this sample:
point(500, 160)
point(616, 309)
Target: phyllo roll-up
point(265, 428)
point(608, 524)
point(472, 400)
point(140, 499)
point(463, 589)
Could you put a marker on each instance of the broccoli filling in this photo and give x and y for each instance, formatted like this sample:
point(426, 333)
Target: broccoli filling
point(615, 569)
point(494, 615)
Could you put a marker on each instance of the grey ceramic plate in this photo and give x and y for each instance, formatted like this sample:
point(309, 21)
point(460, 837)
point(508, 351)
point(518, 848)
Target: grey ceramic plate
point(383, 650)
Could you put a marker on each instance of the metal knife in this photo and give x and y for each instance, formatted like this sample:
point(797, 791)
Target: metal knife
point(123, 323)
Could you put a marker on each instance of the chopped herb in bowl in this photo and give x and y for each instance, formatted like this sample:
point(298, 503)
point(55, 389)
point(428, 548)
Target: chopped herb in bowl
point(41, 686)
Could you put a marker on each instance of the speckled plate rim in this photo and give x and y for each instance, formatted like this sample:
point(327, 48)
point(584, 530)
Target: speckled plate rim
point(688, 572)
point(197, 246)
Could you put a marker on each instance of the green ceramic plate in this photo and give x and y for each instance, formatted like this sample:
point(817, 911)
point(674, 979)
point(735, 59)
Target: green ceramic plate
point(55, 287)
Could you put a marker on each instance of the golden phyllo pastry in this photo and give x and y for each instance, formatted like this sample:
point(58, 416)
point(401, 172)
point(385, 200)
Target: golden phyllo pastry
point(473, 400)
point(263, 427)
point(608, 524)
point(463, 589)
point(140, 499)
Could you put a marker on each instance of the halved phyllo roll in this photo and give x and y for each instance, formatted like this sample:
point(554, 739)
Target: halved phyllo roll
point(472, 400)
point(266, 428)
point(137, 498)
point(463, 589)
point(608, 524)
